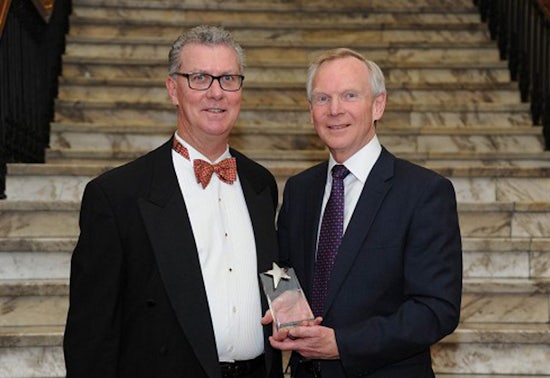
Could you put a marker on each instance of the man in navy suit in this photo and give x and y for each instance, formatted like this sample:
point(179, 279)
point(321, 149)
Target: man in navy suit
point(394, 286)
point(164, 278)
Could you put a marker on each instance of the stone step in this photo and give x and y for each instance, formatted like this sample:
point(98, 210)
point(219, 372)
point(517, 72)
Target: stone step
point(397, 6)
point(500, 351)
point(24, 215)
point(477, 119)
point(31, 352)
point(316, 35)
point(282, 95)
point(264, 72)
point(417, 115)
point(504, 257)
point(505, 301)
point(38, 219)
point(298, 159)
point(484, 332)
point(503, 183)
point(34, 302)
point(513, 350)
point(345, 17)
point(285, 54)
point(285, 138)
point(483, 257)
point(35, 258)
point(45, 302)
point(32, 319)
point(474, 342)
point(505, 219)
point(284, 163)
point(294, 127)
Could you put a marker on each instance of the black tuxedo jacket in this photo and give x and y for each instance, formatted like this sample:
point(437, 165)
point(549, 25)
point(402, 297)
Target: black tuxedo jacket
point(395, 288)
point(138, 306)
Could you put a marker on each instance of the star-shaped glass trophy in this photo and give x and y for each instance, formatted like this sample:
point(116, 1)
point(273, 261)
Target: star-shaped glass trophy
point(286, 299)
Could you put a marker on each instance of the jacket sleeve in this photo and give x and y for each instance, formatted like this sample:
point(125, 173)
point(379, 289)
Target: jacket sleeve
point(92, 332)
point(431, 287)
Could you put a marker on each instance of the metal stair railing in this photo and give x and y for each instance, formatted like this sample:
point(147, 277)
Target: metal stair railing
point(32, 40)
point(522, 31)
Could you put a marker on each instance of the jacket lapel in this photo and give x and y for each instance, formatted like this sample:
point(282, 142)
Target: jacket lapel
point(165, 216)
point(377, 186)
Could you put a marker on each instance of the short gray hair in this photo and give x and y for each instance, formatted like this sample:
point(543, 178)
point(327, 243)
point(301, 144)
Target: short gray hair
point(376, 80)
point(203, 35)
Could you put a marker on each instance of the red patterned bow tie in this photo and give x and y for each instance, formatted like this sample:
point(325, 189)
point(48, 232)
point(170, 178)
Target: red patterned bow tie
point(225, 169)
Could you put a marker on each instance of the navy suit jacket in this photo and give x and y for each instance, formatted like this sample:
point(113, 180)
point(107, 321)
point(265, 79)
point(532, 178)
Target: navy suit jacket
point(138, 306)
point(395, 288)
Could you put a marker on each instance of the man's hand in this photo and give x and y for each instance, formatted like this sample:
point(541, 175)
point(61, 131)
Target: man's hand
point(311, 341)
point(276, 334)
point(280, 334)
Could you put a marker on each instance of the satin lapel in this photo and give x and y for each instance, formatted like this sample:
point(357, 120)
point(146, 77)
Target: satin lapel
point(377, 186)
point(165, 217)
point(314, 202)
point(259, 205)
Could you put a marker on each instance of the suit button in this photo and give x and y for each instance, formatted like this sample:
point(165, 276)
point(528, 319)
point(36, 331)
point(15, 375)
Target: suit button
point(150, 303)
point(163, 350)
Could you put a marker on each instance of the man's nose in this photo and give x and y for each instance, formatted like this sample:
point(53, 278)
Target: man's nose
point(215, 89)
point(335, 105)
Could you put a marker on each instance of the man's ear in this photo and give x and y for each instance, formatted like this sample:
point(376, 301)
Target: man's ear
point(378, 106)
point(171, 87)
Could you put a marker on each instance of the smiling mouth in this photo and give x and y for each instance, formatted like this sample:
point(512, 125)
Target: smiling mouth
point(338, 127)
point(214, 110)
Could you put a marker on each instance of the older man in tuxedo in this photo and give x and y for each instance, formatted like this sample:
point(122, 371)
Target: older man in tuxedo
point(164, 278)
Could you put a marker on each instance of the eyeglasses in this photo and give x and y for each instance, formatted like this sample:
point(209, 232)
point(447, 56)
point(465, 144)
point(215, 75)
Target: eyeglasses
point(203, 81)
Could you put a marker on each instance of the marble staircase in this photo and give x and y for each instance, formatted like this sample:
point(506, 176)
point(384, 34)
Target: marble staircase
point(451, 107)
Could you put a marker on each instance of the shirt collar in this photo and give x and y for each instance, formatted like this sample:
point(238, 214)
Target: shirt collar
point(194, 154)
point(360, 164)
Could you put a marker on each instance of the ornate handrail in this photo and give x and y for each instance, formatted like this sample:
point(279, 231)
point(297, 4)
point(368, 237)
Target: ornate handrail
point(522, 31)
point(4, 7)
point(44, 8)
point(545, 7)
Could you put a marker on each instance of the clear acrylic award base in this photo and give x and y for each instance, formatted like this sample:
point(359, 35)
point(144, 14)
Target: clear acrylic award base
point(286, 299)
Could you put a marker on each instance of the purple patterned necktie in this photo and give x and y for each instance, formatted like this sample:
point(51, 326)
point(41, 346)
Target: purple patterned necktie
point(330, 237)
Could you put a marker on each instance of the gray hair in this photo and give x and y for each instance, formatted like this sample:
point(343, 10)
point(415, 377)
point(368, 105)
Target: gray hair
point(203, 35)
point(376, 80)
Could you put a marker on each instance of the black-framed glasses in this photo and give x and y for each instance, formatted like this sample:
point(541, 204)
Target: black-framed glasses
point(203, 81)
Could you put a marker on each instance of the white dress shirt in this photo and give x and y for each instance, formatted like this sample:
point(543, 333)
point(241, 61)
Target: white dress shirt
point(360, 164)
point(227, 252)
